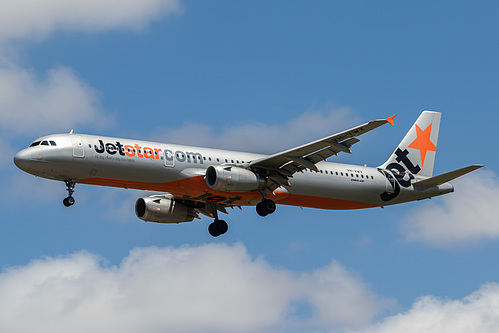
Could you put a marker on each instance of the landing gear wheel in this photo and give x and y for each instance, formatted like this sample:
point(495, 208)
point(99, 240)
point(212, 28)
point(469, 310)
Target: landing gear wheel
point(265, 207)
point(260, 210)
point(212, 231)
point(69, 201)
point(221, 226)
point(217, 228)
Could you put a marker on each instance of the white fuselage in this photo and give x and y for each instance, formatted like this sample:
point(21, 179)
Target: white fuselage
point(180, 170)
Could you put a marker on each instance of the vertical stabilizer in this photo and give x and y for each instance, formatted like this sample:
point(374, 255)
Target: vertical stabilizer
point(416, 152)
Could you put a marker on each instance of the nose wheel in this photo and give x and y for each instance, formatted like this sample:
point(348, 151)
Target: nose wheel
point(69, 201)
point(70, 186)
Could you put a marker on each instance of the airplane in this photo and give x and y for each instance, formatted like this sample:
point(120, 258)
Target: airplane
point(196, 180)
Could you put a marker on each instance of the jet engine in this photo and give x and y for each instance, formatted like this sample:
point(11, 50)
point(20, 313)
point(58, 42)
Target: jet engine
point(233, 179)
point(163, 209)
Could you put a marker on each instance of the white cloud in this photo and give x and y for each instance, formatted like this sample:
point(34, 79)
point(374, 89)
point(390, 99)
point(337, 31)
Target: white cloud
point(339, 297)
point(38, 18)
point(59, 101)
point(478, 312)
point(468, 215)
point(189, 289)
point(263, 137)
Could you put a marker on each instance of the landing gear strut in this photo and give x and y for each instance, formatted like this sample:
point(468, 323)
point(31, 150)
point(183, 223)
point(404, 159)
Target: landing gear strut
point(70, 187)
point(265, 207)
point(218, 227)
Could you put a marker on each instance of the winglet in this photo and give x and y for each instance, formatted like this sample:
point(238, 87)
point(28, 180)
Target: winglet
point(390, 120)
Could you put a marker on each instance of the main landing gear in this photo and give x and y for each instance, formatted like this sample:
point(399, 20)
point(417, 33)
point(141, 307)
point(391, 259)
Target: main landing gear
point(70, 187)
point(218, 227)
point(265, 207)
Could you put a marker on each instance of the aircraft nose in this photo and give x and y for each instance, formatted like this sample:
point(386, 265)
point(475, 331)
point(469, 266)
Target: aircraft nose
point(22, 160)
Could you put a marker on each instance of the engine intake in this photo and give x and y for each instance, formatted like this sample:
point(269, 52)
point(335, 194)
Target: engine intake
point(233, 179)
point(163, 209)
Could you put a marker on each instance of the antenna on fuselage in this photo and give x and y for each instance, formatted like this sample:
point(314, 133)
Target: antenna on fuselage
point(71, 132)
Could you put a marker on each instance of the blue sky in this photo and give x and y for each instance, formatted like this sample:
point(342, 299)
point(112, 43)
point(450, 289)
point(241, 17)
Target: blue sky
point(262, 77)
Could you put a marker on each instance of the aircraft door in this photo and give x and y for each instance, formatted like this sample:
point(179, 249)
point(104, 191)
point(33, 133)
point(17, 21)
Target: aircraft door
point(169, 156)
point(78, 150)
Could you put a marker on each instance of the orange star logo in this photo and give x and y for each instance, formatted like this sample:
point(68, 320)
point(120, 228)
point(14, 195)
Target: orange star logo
point(422, 142)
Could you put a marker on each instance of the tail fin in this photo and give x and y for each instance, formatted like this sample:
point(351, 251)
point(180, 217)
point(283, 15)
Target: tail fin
point(416, 152)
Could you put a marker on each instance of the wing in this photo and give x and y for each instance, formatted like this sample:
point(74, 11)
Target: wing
point(279, 167)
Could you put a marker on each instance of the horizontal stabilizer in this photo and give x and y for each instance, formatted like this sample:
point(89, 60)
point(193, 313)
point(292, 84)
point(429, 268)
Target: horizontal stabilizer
point(446, 177)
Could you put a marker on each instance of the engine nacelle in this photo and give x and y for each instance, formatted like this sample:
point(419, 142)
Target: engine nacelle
point(233, 179)
point(163, 209)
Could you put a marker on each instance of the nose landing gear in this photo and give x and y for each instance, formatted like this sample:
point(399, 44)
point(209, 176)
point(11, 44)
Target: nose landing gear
point(69, 200)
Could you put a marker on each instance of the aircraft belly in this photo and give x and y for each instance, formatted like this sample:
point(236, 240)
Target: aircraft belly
point(324, 203)
point(412, 194)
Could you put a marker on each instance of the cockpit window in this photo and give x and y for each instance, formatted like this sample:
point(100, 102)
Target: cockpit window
point(43, 143)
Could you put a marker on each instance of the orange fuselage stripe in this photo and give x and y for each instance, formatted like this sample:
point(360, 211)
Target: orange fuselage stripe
point(195, 188)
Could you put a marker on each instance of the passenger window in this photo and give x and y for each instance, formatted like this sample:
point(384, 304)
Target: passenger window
point(44, 143)
point(34, 144)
